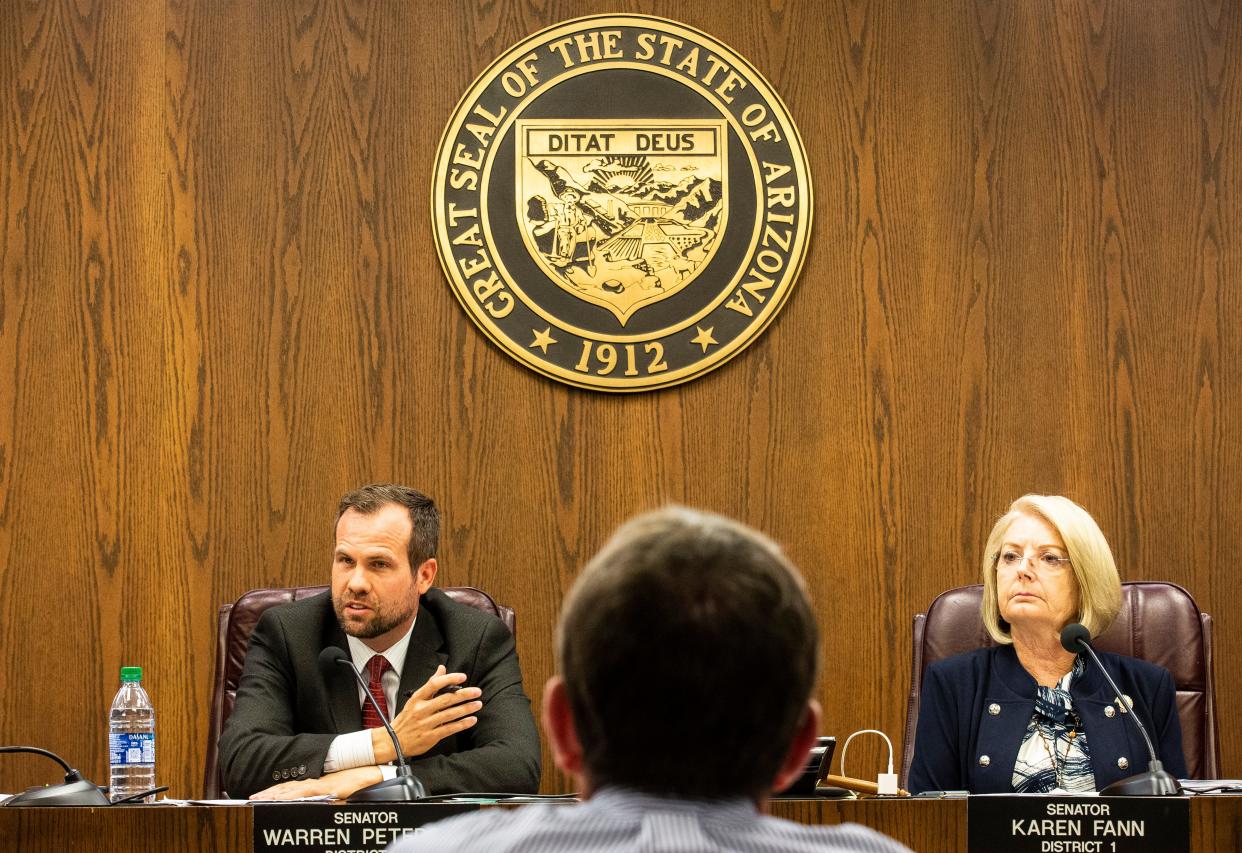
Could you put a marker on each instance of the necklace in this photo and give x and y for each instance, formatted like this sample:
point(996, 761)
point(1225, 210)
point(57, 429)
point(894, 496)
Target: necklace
point(1058, 761)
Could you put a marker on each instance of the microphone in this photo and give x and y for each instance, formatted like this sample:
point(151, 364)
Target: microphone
point(1156, 781)
point(405, 787)
point(76, 790)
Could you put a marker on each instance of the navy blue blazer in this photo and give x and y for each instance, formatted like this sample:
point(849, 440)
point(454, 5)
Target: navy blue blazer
point(975, 708)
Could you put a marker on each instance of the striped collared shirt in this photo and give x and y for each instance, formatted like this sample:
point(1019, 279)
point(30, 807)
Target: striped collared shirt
point(625, 821)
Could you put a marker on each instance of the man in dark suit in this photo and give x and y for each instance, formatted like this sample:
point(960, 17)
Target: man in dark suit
point(296, 731)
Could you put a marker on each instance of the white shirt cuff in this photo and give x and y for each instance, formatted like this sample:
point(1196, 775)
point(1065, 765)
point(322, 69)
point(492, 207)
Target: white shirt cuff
point(349, 751)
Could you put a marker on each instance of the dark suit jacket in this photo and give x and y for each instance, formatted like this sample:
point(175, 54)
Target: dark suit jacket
point(957, 728)
point(286, 715)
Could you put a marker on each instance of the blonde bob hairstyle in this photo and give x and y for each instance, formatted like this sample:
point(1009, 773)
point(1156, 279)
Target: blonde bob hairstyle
point(1099, 585)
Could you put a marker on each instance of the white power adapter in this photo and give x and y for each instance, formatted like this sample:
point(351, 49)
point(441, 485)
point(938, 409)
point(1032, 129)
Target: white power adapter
point(886, 782)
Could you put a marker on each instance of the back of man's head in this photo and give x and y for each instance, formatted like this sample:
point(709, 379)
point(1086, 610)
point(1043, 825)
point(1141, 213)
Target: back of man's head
point(689, 652)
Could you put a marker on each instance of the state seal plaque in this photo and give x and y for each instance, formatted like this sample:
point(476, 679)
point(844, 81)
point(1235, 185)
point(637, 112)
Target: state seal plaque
point(621, 203)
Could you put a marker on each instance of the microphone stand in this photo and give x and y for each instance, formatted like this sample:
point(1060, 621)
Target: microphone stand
point(76, 790)
point(402, 788)
point(1156, 782)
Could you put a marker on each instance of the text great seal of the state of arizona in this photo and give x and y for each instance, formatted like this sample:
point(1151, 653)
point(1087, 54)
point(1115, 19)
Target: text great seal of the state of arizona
point(621, 203)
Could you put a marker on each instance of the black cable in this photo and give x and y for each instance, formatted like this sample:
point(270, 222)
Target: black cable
point(140, 795)
point(36, 751)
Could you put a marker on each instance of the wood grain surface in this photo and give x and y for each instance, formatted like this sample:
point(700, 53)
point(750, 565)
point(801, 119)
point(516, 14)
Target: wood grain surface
point(133, 829)
point(220, 308)
point(928, 826)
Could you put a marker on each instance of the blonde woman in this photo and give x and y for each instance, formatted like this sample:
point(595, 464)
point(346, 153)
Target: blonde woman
point(1027, 716)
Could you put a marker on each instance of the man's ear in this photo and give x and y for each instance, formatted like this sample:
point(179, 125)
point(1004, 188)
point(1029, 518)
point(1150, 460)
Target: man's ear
point(558, 722)
point(425, 574)
point(799, 748)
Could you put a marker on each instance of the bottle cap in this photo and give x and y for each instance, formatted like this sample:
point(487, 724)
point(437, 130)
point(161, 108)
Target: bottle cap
point(131, 673)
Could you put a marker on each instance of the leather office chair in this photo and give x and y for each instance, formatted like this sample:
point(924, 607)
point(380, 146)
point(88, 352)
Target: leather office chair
point(1159, 622)
point(236, 621)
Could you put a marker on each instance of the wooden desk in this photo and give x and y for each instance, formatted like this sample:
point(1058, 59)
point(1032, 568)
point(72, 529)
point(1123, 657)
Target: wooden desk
point(927, 826)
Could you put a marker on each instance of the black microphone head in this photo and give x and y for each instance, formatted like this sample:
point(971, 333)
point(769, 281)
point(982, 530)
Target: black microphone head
point(1074, 636)
point(328, 658)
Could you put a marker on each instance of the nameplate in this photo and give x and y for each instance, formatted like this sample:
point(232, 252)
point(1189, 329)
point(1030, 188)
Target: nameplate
point(332, 828)
point(1038, 824)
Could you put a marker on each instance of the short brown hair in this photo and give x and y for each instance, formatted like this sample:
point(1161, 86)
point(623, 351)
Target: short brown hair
point(425, 518)
point(689, 650)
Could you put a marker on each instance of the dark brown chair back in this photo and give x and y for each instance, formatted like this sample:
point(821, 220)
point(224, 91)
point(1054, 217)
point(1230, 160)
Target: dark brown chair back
point(1159, 622)
point(236, 621)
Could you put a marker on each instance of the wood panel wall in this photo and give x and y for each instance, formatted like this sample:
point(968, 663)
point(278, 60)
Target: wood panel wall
point(221, 308)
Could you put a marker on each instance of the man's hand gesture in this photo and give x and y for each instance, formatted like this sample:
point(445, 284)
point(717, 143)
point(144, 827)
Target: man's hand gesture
point(430, 716)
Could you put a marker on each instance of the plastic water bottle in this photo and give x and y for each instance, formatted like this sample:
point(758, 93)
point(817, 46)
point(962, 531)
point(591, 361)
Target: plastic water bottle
point(131, 739)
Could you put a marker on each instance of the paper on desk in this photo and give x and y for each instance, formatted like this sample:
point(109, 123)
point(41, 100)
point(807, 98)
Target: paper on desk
point(1043, 794)
point(1211, 786)
point(324, 798)
point(509, 799)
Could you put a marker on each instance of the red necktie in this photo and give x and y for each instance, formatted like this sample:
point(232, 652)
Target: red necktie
point(376, 667)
